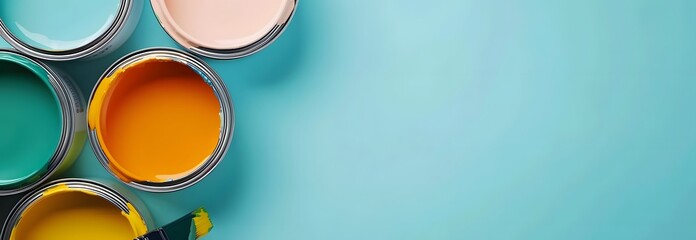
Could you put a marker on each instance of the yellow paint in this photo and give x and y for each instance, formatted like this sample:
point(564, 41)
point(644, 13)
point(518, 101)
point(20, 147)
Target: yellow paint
point(156, 120)
point(64, 213)
point(202, 222)
point(137, 223)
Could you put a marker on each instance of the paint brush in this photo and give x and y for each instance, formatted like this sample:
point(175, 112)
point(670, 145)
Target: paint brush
point(193, 225)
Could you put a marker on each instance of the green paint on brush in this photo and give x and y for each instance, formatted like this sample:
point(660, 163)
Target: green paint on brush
point(30, 121)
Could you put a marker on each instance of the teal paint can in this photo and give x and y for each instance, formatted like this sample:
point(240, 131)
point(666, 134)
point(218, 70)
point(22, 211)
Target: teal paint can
point(42, 122)
point(68, 29)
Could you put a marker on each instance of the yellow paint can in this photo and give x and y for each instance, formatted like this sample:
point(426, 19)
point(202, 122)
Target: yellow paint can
point(76, 209)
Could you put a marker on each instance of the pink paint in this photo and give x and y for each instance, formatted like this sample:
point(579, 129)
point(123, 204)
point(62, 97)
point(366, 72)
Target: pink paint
point(221, 24)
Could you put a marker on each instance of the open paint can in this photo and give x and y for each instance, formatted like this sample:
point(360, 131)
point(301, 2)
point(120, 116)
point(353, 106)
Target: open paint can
point(77, 209)
point(69, 29)
point(160, 119)
point(42, 122)
point(224, 29)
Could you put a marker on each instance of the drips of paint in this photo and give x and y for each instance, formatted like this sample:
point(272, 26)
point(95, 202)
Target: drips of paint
point(156, 120)
point(30, 120)
point(222, 24)
point(64, 25)
point(66, 213)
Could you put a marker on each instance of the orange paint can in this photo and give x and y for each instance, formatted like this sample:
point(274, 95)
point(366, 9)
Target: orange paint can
point(160, 120)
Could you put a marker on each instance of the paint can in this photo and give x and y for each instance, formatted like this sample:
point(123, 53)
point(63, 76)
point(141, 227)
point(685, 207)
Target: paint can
point(160, 119)
point(43, 125)
point(77, 28)
point(77, 209)
point(224, 29)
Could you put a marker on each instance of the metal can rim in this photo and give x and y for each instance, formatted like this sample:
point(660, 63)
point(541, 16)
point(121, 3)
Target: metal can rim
point(226, 124)
point(104, 191)
point(124, 13)
point(229, 54)
point(68, 106)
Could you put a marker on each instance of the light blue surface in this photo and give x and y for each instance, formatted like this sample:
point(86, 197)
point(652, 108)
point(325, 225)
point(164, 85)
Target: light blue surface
point(58, 25)
point(531, 119)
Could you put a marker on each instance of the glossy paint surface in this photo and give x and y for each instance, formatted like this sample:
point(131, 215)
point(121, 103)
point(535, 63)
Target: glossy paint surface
point(156, 120)
point(30, 121)
point(58, 25)
point(65, 214)
point(221, 24)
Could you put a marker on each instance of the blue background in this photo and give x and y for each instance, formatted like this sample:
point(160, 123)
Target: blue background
point(496, 119)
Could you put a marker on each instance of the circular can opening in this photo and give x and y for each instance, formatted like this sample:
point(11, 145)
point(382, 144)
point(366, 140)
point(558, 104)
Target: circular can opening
point(70, 29)
point(159, 120)
point(32, 124)
point(74, 209)
point(66, 25)
point(222, 28)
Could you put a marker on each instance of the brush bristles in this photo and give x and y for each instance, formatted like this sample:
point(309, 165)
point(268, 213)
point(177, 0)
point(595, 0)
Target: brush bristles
point(202, 222)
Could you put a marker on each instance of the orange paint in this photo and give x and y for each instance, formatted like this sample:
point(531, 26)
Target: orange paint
point(156, 120)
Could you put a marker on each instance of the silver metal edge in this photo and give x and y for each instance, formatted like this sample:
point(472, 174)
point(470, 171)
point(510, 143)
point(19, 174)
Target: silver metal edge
point(67, 105)
point(227, 119)
point(255, 47)
point(123, 16)
point(118, 199)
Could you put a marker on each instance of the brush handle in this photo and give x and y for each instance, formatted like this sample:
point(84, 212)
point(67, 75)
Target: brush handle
point(158, 234)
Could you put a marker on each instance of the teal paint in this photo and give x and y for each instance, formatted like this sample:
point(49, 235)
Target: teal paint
point(63, 25)
point(30, 121)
